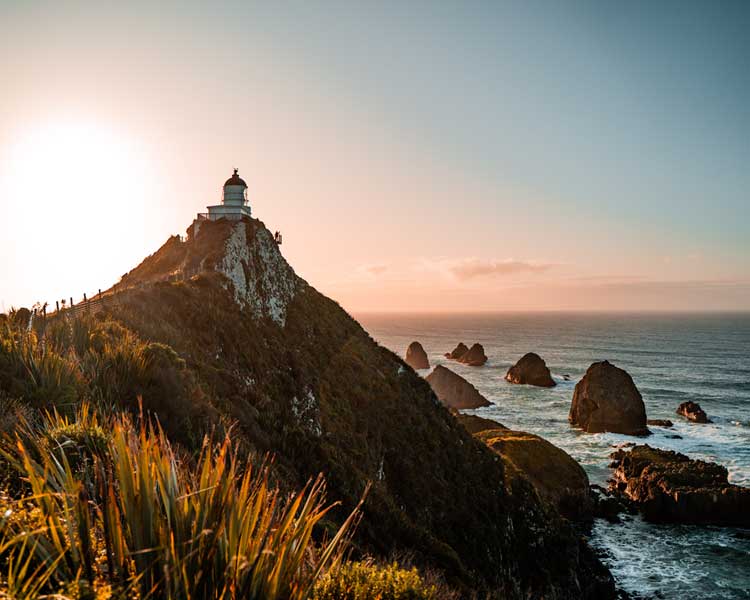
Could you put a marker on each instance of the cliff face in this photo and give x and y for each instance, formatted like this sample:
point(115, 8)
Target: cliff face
point(304, 381)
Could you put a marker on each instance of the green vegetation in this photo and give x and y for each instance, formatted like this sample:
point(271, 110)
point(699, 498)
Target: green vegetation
point(363, 581)
point(105, 507)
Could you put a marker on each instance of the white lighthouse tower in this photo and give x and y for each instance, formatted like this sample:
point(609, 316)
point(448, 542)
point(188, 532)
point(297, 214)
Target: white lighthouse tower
point(234, 204)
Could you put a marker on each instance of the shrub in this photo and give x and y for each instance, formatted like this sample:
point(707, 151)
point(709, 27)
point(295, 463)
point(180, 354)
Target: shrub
point(36, 374)
point(364, 581)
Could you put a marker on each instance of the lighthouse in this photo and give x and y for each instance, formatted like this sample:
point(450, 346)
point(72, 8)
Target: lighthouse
point(234, 204)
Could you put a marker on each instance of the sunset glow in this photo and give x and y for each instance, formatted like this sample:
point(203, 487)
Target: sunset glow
point(365, 300)
point(406, 175)
point(77, 186)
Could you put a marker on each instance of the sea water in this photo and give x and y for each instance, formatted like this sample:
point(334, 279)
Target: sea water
point(672, 358)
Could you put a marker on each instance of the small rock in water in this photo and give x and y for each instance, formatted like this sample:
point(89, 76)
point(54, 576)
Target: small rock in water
point(692, 411)
point(475, 357)
point(624, 445)
point(530, 370)
point(457, 352)
point(660, 422)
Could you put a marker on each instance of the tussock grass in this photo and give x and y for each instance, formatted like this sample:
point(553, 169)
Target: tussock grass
point(119, 515)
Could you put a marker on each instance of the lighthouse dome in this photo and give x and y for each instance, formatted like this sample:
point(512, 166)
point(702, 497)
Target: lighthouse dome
point(235, 179)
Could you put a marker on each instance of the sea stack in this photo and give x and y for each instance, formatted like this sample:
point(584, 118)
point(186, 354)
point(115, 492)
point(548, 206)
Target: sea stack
point(416, 357)
point(454, 391)
point(457, 352)
point(606, 399)
point(530, 370)
point(475, 357)
point(692, 411)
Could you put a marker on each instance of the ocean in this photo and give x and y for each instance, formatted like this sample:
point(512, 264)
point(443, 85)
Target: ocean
point(672, 358)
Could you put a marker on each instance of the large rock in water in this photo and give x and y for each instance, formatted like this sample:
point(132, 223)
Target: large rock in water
point(530, 370)
point(670, 487)
point(416, 357)
point(457, 352)
point(556, 476)
point(304, 381)
point(606, 399)
point(454, 391)
point(475, 357)
point(692, 411)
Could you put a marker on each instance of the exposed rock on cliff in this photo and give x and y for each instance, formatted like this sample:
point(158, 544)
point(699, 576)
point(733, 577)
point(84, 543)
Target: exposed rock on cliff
point(670, 487)
point(416, 357)
point(475, 357)
point(302, 380)
point(606, 399)
point(530, 370)
point(453, 390)
point(693, 412)
point(457, 352)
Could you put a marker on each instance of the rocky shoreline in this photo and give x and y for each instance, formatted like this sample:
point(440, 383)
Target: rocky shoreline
point(669, 487)
point(664, 486)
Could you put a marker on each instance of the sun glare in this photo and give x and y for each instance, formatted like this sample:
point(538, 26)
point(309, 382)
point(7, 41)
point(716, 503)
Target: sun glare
point(75, 195)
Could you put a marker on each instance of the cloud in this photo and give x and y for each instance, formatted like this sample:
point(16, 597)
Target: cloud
point(473, 268)
point(376, 269)
point(372, 271)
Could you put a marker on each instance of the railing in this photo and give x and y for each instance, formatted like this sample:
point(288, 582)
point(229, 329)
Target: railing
point(100, 300)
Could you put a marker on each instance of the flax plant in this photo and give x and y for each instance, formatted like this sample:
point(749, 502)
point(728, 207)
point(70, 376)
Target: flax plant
point(132, 520)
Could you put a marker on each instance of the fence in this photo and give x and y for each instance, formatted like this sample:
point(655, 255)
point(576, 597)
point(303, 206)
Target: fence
point(105, 298)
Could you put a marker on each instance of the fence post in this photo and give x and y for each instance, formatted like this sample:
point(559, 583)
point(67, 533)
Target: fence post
point(57, 306)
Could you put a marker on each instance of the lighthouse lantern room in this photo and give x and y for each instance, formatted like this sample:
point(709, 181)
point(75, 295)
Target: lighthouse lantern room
point(234, 204)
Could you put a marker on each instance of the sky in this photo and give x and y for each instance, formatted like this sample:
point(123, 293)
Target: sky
point(420, 156)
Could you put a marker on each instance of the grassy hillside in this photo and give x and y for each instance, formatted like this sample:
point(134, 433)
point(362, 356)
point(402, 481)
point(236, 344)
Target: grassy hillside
point(246, 347)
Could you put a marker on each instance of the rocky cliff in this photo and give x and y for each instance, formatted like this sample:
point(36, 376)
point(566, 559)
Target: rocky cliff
point(301, 379)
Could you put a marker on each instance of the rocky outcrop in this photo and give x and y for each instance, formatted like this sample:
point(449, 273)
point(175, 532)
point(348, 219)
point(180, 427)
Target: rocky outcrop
point(416, 357)
point(530, 370)
point(243, 252)
point(693, 412)
point(606, 399)
point(261, 280)
point(667, 486)
point(475, 357)
point(453, 390)
point(475, 424)
point(660, 422)
point(457, 352)
point(555, 475)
